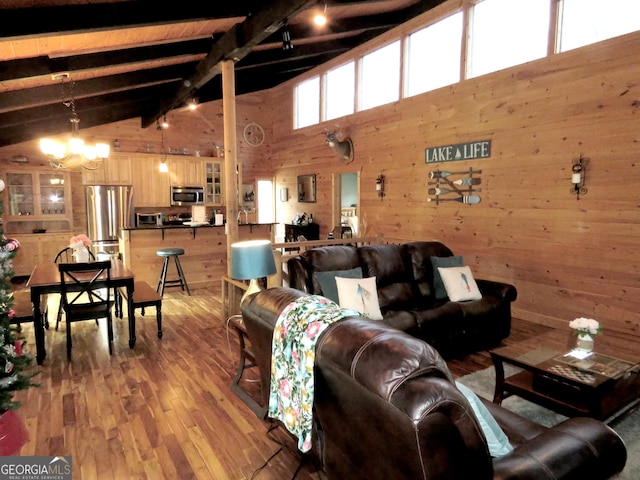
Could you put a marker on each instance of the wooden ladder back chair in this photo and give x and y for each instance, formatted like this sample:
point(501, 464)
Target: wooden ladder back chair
point(85, 292)
point(66, 256)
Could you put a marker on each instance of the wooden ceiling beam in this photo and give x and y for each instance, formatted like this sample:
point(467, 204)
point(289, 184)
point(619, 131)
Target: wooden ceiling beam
point(234, 45)
point(278, 56)
point(38, 66)
point(82, 18)
point(21, 99)
point(262, 77)
point(36, 122)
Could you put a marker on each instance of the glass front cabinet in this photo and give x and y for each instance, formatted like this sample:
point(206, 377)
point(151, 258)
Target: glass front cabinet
point(37, 202)
point(213, 185)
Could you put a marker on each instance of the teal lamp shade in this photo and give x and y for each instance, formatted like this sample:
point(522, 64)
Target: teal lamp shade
point(251, 260)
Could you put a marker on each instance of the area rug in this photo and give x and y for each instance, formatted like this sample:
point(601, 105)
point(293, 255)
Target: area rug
point(627, 424)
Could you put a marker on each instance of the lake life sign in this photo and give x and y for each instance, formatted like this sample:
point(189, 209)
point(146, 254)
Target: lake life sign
point(458, 151)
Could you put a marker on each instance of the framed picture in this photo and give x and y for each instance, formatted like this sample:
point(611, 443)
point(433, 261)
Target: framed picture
point(248, 198)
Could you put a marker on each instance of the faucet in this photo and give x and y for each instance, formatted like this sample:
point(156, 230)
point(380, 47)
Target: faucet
point(246, 216)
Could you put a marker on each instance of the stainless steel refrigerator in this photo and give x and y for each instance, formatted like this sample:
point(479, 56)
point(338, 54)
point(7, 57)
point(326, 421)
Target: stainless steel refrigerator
point(109, 209)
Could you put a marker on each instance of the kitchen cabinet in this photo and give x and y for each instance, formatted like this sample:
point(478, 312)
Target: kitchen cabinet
point(186, 171)
point(151, 188)
point(37, 200)
point(214, 192)
point(116, 170)
point(37, 248)
point(150, 185)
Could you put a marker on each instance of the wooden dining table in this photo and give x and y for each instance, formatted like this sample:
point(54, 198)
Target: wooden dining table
point(45, 278)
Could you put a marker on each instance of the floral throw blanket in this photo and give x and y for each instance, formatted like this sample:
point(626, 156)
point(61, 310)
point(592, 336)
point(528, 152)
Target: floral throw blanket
point(293, 354)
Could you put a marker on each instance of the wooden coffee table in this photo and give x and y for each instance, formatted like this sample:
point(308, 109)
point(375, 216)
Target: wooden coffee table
point(601, 385)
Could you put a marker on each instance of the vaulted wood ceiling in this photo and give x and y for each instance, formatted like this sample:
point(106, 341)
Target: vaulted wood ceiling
point(143, 58)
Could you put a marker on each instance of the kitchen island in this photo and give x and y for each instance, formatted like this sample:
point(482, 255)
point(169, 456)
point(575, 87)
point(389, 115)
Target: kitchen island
point(205, 250)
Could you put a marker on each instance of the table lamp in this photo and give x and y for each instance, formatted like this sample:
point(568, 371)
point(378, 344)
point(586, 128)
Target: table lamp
point(252, 260)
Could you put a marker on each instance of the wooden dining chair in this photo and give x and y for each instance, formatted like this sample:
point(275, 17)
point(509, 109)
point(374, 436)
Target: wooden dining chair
point(65, 256)
point(85, 289)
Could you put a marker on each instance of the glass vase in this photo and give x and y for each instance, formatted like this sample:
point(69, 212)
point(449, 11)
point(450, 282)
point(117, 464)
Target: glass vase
point(584, 342)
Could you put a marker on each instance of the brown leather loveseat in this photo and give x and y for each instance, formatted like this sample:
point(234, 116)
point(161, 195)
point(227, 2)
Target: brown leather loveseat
point(407, 293)
point(385, 406)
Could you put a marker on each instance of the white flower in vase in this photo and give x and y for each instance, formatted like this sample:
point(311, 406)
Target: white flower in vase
point(585, 326)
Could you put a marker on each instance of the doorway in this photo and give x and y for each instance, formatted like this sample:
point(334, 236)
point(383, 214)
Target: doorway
point(346, 200)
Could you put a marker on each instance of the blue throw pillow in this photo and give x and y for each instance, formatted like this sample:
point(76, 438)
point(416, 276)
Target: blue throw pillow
point(327, 281)
point(497, 441)
point(438, 285)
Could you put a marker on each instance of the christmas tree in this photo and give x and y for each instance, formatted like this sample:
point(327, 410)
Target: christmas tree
point(15, 364)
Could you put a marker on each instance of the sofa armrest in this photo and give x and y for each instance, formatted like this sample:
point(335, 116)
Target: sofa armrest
point(497, 289)
point(260, 313)
point(298, 275)
point(576, 448)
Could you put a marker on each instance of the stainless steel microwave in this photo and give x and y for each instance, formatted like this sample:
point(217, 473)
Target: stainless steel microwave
point(187, 195)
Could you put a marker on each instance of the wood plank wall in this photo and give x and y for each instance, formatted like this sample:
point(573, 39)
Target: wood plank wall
point(567, 257)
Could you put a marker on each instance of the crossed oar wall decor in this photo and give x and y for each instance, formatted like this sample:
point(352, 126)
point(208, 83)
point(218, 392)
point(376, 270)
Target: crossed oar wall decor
point(464, 188)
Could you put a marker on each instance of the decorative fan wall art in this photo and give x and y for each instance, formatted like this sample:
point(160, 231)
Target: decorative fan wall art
point(253, 134)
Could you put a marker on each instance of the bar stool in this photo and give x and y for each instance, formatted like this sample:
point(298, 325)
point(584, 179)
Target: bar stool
point(167, 253)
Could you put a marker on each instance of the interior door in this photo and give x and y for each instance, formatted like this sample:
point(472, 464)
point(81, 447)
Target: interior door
point(346, 199)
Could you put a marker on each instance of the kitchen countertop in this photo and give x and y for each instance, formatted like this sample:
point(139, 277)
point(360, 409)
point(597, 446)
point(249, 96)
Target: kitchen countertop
point(206, 225)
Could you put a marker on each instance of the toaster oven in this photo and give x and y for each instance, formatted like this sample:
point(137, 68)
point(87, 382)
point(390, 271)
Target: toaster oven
point(149, 219)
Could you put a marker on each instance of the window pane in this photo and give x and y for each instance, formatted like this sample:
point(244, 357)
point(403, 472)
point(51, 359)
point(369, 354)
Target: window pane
point(380, 76)
point(434, 55)
point(340, 91)
point(506, 33)
point(590, 21)
point(307, 103)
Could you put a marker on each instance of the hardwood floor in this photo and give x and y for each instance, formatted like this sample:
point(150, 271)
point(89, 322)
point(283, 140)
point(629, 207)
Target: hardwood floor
point(163, 409)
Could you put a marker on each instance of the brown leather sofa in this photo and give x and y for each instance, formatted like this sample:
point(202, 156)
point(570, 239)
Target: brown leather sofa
point(385, 406)
point(406, 293)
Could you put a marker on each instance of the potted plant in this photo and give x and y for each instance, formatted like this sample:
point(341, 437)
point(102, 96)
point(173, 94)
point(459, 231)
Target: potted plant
point(15, 363)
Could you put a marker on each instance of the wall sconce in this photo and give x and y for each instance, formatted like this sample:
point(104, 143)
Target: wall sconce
point(578, 177)
point(284, 194)
point(380, 185)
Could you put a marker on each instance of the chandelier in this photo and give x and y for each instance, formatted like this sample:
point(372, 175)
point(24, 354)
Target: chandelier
point(74, 152)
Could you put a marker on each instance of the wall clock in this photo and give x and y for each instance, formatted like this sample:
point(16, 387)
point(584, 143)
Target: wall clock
point(253, 134)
